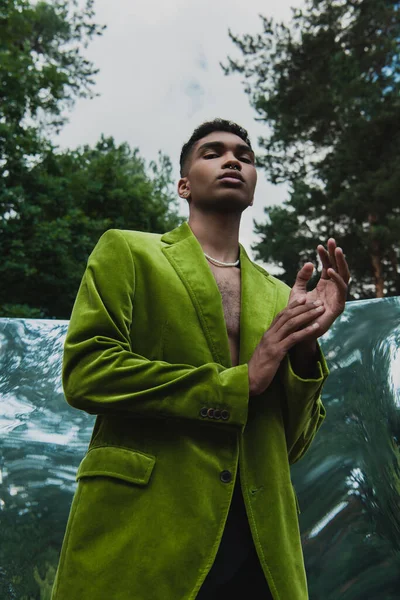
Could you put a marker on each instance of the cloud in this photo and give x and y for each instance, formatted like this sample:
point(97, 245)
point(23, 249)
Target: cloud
point(195, 92)
point(201, 61)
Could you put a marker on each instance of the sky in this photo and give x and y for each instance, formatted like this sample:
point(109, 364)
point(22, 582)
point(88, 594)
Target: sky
point(160, 77)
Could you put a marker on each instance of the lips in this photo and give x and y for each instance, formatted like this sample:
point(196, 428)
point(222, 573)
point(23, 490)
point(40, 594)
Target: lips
point(232, 175)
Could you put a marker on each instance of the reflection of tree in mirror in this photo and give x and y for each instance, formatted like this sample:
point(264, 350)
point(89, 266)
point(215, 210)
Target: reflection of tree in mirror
point(22, 341)
point(30, 363)
point(29, 551)
point(357, 460)
point(45, 584)
point(348, 482)
point(39, 455)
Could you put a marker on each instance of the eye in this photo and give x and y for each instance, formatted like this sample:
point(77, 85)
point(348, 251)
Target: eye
point(211, 155)
point(246, 159)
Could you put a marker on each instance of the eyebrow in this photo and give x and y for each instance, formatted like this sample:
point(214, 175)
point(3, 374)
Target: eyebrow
point(221, 146)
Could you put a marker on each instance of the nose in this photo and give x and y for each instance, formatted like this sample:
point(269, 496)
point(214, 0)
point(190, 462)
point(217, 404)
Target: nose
point(231, 162)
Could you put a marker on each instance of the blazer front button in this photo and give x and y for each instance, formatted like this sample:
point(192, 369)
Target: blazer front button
point(225, 415)
point(225, 476)
point(203, 412)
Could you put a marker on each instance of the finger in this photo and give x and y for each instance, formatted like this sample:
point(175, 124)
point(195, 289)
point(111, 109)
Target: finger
point(303, 277)
point(300, 300)
point(331, 250)
point(291, 312)
point(297, 321)
point(342, 266)
point(341, 284)
point(309, 332)
point(325, 260)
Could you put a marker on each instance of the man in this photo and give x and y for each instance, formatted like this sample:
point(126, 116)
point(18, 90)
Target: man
point(198, 364)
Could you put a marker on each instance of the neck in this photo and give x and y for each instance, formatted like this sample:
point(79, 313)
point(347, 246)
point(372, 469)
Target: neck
point(218, 234)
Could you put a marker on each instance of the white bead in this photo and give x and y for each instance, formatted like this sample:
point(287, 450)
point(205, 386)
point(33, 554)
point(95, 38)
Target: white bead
point(219, 263)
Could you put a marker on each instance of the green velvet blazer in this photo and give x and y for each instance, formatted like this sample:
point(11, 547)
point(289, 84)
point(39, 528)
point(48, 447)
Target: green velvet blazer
point(147, 352)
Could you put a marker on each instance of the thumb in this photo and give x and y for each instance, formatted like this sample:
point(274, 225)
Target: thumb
point(303, 277)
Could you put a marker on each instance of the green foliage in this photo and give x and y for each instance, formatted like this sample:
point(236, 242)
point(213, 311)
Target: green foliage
point(355, 459)
point(65, 204)
point(328, 87)
point(42, 71)
point(21, 311)
point(55, 205)
point(30, 549)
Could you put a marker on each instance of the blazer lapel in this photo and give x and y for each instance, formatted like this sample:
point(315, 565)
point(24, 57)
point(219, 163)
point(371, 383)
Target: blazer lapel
point(258, 295)
point(185, 254)
point(257, 305)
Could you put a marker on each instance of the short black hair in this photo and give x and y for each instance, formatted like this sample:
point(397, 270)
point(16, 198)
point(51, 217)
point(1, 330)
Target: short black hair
point(205, 129)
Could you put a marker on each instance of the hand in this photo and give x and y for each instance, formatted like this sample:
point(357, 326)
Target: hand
point(332, 286)
point(295, 324)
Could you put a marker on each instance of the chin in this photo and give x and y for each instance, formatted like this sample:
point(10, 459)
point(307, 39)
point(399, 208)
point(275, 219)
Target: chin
point(225, 204)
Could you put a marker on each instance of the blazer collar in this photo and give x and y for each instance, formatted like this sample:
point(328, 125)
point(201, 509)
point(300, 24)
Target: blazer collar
point(258, 295)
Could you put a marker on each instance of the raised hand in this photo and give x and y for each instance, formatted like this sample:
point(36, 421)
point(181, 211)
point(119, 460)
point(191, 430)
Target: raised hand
point(331, 290)
point(307, 316)
point(294, 325)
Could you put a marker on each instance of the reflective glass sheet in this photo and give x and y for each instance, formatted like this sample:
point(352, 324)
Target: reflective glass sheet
point(348, 483)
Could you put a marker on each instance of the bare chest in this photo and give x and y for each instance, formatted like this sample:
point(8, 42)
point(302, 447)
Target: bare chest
point(228, 282)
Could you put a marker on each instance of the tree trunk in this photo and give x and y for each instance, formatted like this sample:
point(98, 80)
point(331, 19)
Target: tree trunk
point(377, 269)
point(376, 257)
point(396, 275)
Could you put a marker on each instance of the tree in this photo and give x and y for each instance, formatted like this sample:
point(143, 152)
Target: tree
point(328, 88)
point(42, 72)
point(67, 201)
point(55, 205)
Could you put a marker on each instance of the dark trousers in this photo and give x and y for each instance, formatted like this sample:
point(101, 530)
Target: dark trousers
point(248, 582)
point(236, 572)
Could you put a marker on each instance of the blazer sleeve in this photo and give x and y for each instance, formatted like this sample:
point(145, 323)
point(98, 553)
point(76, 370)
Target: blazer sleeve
point(102, 375)
point(303, 410)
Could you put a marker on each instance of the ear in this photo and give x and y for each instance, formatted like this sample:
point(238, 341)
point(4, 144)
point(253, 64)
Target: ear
point(184, 188)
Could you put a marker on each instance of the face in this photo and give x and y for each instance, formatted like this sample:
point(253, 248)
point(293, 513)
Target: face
point(221, 174)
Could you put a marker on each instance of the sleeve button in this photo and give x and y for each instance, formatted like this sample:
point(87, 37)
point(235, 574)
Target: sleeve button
point(225, 415)
point(217, 413)
point(210, 413)
point(203, 412)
